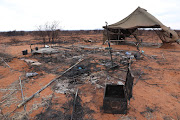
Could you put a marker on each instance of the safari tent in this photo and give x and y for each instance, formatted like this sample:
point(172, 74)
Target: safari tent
point(140, 18)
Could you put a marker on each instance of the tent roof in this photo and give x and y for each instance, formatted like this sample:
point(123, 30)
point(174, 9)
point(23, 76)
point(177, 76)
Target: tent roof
point(140, 18)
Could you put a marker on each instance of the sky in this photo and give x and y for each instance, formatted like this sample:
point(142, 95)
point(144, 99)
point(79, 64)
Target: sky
point(81, 14)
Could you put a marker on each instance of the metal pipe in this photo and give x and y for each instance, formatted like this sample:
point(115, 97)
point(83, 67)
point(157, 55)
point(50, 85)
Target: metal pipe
point(109, 44)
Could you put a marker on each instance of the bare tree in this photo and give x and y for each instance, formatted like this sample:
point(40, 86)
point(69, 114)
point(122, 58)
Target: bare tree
point(52, 30)
point(49, 31)
point(42, 33)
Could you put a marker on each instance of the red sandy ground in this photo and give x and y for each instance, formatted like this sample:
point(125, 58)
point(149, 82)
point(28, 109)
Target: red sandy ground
point(160, 92)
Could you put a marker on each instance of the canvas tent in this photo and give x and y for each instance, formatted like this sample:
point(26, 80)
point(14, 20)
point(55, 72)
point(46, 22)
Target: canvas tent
point(140, 18)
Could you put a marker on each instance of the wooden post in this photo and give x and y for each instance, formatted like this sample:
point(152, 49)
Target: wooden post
point(22, 92)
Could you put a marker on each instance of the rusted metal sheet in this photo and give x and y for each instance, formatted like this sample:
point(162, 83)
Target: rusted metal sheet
point(129, 84)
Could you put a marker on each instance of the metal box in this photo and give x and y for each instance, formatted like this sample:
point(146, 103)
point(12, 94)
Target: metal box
point(115, 101)
point(116, 96)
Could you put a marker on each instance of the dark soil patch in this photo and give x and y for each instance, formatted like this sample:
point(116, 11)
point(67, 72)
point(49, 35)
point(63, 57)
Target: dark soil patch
point(78, 114)
point(51, 114)
point(6, 57)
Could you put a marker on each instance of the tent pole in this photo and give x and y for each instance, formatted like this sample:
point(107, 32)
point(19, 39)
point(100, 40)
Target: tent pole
point(118, 34)
point(109, 45)
point(138, 42)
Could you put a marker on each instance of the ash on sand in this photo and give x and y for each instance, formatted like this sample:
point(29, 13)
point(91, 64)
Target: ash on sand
point(79, 70)
point(75, 76)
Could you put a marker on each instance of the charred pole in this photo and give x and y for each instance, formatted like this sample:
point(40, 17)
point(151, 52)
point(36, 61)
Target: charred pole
point(74, 105)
